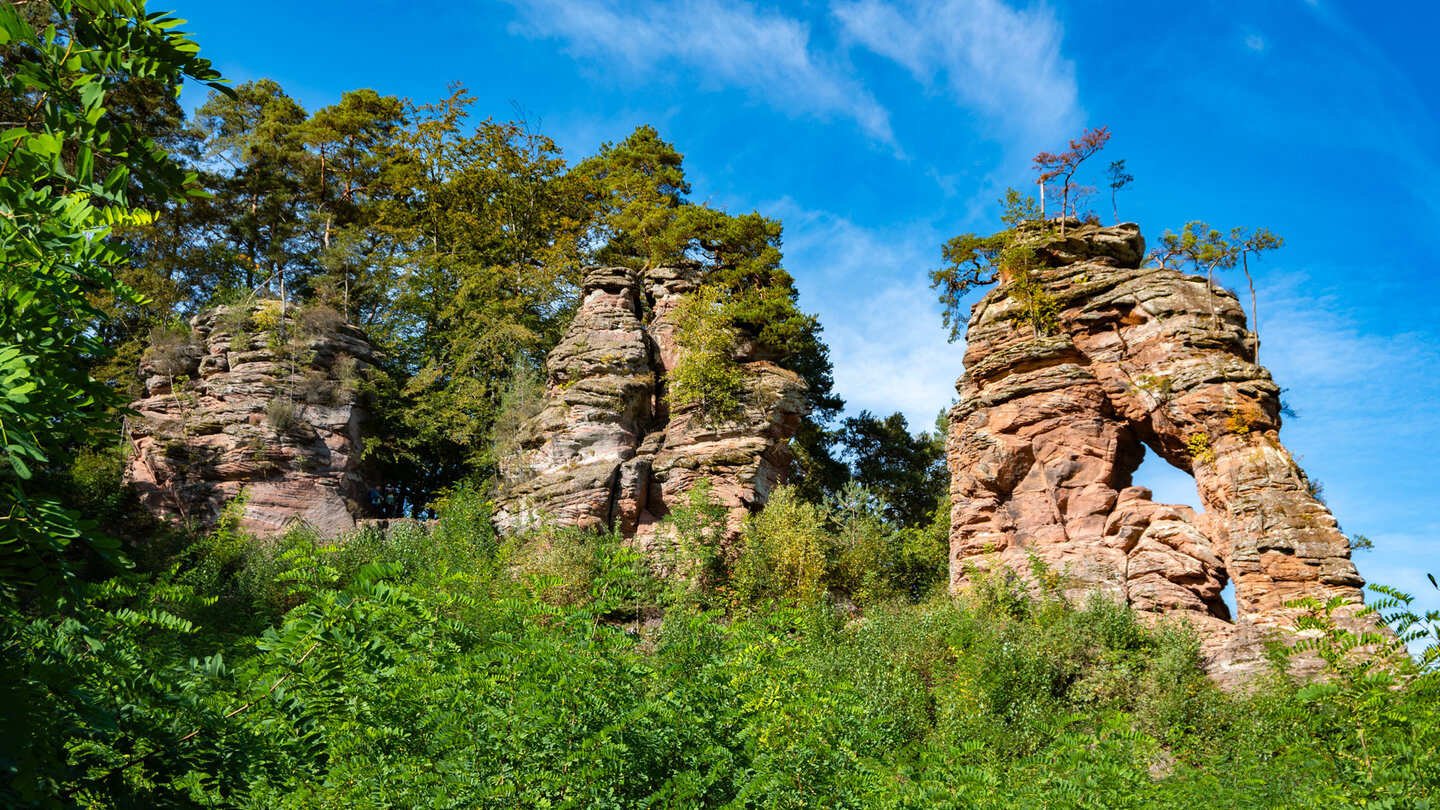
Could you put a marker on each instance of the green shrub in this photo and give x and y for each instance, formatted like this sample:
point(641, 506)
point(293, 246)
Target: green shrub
point(316, 388)
point(233, 319)
point(319, 320)
point(783, 556)
point(282, 416)
point(706, 375)
point(861, 546)
point(173, 350)
point(97, 481)
point(689, 554)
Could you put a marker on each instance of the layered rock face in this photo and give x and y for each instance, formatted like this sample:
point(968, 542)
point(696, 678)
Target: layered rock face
point(235, 406)
point(1050, 429)
point(607, 450)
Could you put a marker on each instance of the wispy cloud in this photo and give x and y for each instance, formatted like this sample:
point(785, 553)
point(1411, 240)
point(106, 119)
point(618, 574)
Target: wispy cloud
point(765, 53)
point(1004, 62)
point(1368, 426)
point(881, 319)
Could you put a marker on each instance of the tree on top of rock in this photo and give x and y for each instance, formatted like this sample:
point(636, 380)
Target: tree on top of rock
point(1062, 166)
point(973, 261)
point(1119, 179)
point(1205, 248)
point(635, 188)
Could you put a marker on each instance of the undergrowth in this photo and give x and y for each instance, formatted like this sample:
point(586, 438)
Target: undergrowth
point(453, 667)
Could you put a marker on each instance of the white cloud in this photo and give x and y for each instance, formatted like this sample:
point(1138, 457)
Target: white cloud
point(1255, 42)
point(1004, 62)
point(729, 44)
point(1368, 426)
point(882, 321)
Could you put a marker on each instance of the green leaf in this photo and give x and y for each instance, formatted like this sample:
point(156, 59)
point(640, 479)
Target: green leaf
point(44, 144)
point(21, 468)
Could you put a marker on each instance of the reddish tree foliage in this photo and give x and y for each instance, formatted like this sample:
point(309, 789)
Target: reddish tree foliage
point(1062, 167)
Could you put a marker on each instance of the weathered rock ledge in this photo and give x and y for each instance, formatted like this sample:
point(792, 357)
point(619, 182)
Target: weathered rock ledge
point(1049, 431)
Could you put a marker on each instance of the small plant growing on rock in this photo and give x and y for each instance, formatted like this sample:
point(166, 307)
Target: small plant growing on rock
point(233, 319)
point(1158, 386)
point(1242, 418)
point(347, 377)
point(281, 416)
point(173, 350)
point(316, 388)
point(1199, 447)
point(1038, 307)
point(320, 320)
point(268, 317)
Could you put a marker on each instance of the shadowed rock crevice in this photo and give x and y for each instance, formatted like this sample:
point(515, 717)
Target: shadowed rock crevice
point(608, 450)
point(1048, 434)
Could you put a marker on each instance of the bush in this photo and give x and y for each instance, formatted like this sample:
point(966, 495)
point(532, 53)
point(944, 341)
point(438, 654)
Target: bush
point(316, 388)
point(783, 557)
point(282, 416)
point(319, 320)
point(688, 552)
point(267, 316)
point(173, 351)
point(862, 546)
point(450, 666)
point(97, 481)
point(233, 318)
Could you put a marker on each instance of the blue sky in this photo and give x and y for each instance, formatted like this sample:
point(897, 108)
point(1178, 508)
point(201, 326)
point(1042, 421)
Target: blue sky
point(876, 130)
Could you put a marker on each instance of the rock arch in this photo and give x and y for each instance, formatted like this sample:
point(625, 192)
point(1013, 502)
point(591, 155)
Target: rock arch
point(1049, 431)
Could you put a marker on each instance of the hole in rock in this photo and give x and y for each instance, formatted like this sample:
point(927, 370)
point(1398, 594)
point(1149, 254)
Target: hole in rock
point(1166, 483)
point(1229, 596)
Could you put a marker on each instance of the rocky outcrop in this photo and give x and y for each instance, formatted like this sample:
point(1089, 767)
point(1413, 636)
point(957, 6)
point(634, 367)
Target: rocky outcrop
point(1050, 429)
point(250, 400)
point(607, 450)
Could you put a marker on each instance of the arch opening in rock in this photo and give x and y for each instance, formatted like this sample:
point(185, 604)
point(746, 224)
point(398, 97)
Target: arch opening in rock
point(1167, 483)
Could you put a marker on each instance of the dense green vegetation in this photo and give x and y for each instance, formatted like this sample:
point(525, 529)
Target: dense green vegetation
point(460, 669)
point(813, 662)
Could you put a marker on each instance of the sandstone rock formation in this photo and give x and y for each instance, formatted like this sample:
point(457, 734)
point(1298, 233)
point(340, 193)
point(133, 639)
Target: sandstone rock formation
point(1049, 431)
point(234, 405)
point(607, 450)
